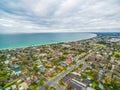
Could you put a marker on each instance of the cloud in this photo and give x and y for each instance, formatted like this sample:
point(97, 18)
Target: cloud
point(59, 15)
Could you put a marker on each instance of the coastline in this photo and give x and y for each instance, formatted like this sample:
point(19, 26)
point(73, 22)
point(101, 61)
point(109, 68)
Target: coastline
point(36, 45)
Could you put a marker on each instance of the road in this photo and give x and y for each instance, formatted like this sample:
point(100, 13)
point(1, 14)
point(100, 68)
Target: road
point(54, 81)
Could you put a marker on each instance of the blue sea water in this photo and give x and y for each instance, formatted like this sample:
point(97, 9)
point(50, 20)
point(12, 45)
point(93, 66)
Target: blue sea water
point(8, 41)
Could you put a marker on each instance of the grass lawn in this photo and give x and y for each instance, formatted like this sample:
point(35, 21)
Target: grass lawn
point(11, 83)
point(99, 45)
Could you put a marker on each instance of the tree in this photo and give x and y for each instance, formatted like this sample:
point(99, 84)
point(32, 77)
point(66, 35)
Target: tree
point(47, 87)
point(41, 82)
point(3, 57)
point(95, 84)
point(115, 84)
point(62, 58)
point(68, 88)
point(35, 68)
point(60, 82)
point(52, 88)
point(32, 87)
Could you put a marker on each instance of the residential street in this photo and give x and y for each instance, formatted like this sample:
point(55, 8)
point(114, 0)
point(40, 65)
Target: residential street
point(54, 81)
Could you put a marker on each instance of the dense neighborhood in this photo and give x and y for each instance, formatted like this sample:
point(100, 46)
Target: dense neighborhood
point(91, 64)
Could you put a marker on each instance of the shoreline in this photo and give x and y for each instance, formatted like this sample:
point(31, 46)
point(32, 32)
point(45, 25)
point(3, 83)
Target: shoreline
point(23, 47)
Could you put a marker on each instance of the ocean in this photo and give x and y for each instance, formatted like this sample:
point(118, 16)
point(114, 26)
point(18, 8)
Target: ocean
point(9, 41)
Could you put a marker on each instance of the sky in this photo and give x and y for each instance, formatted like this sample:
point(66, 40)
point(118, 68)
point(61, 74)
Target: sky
point(28, 16)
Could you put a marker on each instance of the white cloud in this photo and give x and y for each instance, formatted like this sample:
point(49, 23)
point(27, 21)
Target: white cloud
point(54, 15)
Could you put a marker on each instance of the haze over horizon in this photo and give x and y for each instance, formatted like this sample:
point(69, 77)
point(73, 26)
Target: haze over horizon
point(28, 16)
